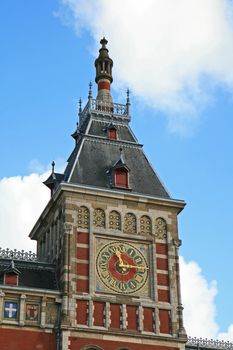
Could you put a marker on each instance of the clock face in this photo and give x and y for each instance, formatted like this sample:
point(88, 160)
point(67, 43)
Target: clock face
point(122, 267)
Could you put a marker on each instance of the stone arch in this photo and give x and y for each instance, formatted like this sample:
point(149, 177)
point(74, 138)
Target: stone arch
point(99, 218)
point(83, 217)
point(145, 225)
point(160, 228)
point(130, 223)
point(91, 347)
point(115, 220)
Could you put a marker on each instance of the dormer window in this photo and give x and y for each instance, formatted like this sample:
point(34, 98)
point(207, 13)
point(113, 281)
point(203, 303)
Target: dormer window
point(112, 134)
point(11, 275)
point(121, 178)
point(11, 279)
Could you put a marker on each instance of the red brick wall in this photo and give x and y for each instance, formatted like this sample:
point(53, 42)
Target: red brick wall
point(115, 316)
point(82, 312)
point(164, 321)
point(132, 318)
point(148, 321)
point(78, 343)
point(82, 266)
point(99, 314)
point(163, 275)
point(13, 339)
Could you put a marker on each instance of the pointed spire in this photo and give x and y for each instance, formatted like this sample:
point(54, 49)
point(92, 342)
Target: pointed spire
point(53, 166)
point(121, 155)
point(80, 106)
point(128, 102)
point(90, 91)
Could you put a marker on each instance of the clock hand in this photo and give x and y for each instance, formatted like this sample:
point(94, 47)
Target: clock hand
point(121, 262)
point(133, 267)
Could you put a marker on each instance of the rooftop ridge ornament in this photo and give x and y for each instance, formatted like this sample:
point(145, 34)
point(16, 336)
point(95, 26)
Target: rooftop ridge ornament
point(80, 106)
point(90, 91)
point(53, 166)
point(128, 102)
point(17, 254)
point(201, 343)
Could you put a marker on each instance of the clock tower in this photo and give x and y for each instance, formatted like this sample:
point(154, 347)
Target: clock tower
point(110, 228)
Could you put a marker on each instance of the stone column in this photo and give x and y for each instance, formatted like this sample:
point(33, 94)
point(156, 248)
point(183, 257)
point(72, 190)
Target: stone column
point(1, 305)
point(181, 330)
point(66, 272)
point(22, 309)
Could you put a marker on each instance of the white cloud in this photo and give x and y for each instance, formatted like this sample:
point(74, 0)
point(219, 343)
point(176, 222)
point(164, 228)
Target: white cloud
point(198, 299)
point(227, 335)
point(22, 200)
point(199, 303)
point(170, 53)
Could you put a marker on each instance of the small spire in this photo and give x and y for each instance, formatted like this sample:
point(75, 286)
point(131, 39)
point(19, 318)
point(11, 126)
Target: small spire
point(128, 102)
point(12, 264)
point(80, 106)
point(121, 155)
point(90, 91)
point(53, 166)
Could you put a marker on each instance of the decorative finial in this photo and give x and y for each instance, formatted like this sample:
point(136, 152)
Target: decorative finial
point(53, 166)
point(80, 106)
point(90, 91)
point(103, 42)
point(128, 102)
point(121, 155)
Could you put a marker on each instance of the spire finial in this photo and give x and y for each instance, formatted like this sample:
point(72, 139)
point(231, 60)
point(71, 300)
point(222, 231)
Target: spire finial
point(90, 91)
point(53, 166)
point(128, 101)
point(80, 106)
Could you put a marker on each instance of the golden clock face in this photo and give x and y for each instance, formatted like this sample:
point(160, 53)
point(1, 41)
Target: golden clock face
point(122, 267)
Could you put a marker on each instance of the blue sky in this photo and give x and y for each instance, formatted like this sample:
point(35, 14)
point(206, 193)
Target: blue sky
point(47, 55)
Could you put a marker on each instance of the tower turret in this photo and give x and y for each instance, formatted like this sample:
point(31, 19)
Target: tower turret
point(104, 78)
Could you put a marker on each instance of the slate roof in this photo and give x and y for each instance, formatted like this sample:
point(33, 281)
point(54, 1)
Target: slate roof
point(32, 274)
point(94, 155)
point(97, 158)
point(98, 128)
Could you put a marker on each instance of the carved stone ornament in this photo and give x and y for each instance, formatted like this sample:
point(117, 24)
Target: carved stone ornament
point(51, 313)
point(115, 220)
point(130, 225)
point(145, 225)
point(160, 228)
point(99, 218)
point(83, 217)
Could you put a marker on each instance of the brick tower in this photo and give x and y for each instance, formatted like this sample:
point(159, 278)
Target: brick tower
point(110, 229)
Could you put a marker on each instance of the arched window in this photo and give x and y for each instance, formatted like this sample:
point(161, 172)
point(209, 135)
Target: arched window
point(99, 218)
point(130, 224)
point(145, 225)
point(115, 220)
point(83, 217)
point(160, 228)
point(121, 177)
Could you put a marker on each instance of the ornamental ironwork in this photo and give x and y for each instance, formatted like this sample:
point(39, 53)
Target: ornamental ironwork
point(17, 254)
point(200, 343)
